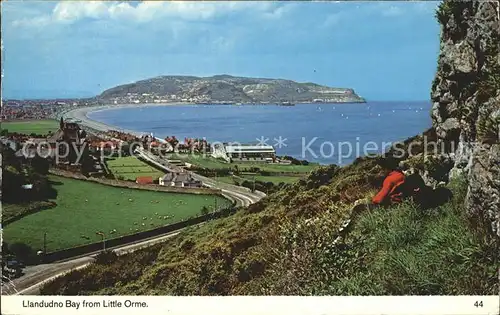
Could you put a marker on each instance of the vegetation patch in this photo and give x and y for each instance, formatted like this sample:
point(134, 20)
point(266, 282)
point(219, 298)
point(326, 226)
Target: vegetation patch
point(399, 252)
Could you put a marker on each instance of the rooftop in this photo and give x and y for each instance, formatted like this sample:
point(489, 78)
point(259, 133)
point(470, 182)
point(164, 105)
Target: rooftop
point(249, 148)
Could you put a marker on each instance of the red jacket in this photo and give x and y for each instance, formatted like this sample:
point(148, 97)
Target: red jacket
point(388, 193)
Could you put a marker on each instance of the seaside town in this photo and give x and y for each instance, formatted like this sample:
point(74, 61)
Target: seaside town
point(41, 109)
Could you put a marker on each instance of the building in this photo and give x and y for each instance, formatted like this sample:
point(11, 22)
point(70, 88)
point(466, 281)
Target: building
point(179, 179)
point(245, 152)
point(74, 138)
point(144, 180)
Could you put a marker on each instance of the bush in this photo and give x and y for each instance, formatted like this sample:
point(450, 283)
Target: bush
point(295, 161)
point(24, 253)
point(443, 12)
point(106, 257)
point(204, 210)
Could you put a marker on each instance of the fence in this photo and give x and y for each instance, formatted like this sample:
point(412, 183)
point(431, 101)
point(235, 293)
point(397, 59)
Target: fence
point(132, 238)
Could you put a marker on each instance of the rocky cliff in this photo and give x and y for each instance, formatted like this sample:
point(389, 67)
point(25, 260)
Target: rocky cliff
point(466, 98)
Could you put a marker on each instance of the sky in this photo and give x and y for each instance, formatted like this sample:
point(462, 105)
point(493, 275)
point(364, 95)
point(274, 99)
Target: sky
point(383, 50)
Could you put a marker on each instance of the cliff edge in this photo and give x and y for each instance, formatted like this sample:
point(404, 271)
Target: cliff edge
point(466, 102)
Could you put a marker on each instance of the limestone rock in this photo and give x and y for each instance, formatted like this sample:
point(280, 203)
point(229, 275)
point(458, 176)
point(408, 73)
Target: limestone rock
point(462, 112)
point(449, 129)
point(461, 58)
point(483, 196)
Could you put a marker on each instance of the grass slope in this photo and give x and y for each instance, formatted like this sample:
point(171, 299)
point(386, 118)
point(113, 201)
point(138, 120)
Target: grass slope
point(402, 250)
point(41, 127)
point(84, 208)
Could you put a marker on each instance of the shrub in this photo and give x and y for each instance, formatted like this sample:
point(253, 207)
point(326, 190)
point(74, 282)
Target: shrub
point(443, 12)
point(204, 210)
point(106, 257)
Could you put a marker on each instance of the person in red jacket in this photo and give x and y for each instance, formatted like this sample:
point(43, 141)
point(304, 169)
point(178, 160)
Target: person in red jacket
point(397, 187)
point(391, 191)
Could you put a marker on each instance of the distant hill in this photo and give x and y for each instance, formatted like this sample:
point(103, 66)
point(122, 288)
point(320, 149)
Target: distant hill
point(226, 88)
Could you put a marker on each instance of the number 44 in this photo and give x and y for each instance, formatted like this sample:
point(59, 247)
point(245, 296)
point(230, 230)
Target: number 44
point(478, 304)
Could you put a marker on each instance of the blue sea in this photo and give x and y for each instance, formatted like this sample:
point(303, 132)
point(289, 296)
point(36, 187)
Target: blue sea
point(324, 133)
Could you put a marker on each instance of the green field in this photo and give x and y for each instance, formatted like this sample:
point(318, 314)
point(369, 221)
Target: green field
point(83, 208)
point(212, 163)
point(32, 126)
point(131, 167)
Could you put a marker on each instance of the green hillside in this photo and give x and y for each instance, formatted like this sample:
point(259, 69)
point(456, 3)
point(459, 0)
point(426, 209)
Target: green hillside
point(284, 245)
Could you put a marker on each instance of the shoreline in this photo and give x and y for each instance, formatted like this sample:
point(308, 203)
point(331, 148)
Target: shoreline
point(83, 112)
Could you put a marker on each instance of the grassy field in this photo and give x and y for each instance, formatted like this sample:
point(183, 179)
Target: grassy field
point(131, 167)
point(32, 126)
point(84, 208)
point(212, 163)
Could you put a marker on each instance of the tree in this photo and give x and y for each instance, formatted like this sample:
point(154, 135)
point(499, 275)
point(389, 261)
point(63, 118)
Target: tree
point(87, 165)
point(126, 149)
point(23, 252)
point(40, 165)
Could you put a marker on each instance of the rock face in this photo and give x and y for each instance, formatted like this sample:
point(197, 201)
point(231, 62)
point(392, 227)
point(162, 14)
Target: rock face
point(466, 102)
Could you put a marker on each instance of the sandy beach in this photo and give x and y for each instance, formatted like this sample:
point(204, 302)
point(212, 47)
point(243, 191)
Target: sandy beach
point(82, 112)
